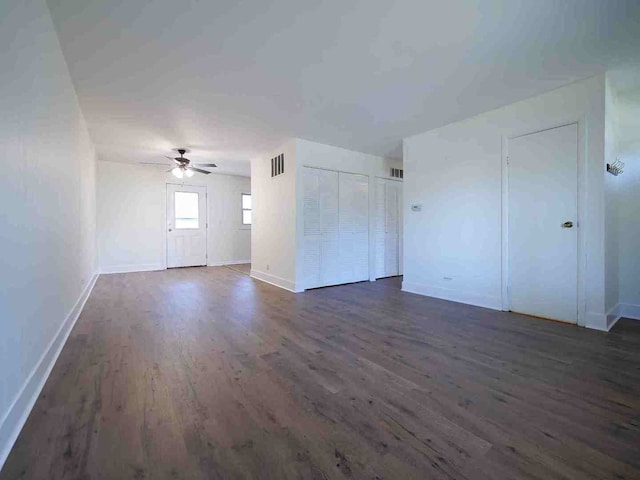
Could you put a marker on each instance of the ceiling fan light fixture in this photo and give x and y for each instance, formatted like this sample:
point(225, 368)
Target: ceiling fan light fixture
point(177, 172)
point(188, 172)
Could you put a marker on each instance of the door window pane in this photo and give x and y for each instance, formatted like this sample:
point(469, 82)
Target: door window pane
point(186, 210)
point(246, 217)
point(246, 201)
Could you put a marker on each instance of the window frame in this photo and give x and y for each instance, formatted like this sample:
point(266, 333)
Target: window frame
point(242, 210)
point(176, 218)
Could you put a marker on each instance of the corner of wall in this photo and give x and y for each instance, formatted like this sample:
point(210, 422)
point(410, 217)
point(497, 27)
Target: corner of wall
point(19, 411)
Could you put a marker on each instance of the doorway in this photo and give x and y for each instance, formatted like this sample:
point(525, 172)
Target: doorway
point(542, 224)
point(186, 225)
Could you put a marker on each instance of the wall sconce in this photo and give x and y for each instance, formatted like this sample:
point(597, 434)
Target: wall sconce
point(615, 168)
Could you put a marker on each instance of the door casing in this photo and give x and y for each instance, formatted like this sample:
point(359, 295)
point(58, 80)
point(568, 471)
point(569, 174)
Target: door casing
point(166, 218)
point(581, 180)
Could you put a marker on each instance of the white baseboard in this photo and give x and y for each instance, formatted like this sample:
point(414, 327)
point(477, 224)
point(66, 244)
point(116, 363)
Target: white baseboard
point(485, 301)
point(19, 410)
point(628, 310)
point(277, 281)
point(143, 267)
point(232, 262)
point(596, 321)
point(613, 316)
point(622, 310)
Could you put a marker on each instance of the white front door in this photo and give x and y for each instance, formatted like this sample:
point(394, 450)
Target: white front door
point(542, 223)
point(186, 226)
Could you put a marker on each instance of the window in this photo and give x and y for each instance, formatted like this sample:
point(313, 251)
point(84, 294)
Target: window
point(186, 210)
point(246, 209)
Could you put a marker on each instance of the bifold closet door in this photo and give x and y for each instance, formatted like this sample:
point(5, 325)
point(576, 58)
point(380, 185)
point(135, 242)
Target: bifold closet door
point(388, 227)
point(354, 227)
point(321, 228)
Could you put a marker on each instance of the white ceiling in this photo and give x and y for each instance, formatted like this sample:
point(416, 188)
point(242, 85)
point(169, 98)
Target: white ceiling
point(230, 79)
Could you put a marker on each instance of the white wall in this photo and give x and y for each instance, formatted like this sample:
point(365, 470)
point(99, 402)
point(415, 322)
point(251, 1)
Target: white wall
point(455, 173)
point(611, 184)
point(628, 223)
point(273, 236)
point(278, 233)
point(131, 217)
point(47, 208)
point(627, 187)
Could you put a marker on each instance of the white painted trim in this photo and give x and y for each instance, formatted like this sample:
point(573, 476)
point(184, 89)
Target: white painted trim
point(613, 316)
point(584, 318)
point(21, 407)
point(277, 281)
point(628, 310)
point(165, 207)
point(596, 321)
point(622, 310)
point(143, 267)
point(505, 303)
point(232, 262)
point(453, 295)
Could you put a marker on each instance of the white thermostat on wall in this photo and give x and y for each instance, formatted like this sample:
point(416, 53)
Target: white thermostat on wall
point(416, 207)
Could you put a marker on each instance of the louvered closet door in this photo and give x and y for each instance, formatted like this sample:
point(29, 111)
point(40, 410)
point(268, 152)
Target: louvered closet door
point(380, 228)
point(312, 236)
point(388, 227)
point(391, 254)
point(354, 227)
point(321, 236)
point(329, 218)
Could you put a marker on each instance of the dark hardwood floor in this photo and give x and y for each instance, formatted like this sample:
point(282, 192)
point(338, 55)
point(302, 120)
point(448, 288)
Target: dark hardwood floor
point(241, 268)
point(205, 373)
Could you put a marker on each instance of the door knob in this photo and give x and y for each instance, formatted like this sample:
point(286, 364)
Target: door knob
point(169, 229)
point(567, 225)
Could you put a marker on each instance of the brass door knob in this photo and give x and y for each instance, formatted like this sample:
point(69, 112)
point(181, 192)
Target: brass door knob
point(567, 225)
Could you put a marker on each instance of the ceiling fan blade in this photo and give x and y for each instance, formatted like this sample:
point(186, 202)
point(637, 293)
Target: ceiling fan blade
point(172, 159)
point(199, 170)
point(153, 163)
point(210, 165)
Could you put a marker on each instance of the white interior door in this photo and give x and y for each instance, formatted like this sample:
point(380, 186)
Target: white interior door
point(380, 227)
point(354, 227)
point(336, 227)
point(542, 223)
point(387, 227)
point(321, 228)
point(392, 234)
point(186, 226)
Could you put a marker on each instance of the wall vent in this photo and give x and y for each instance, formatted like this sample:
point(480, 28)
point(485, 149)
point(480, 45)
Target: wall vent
point(277, 165)
point(397, 173)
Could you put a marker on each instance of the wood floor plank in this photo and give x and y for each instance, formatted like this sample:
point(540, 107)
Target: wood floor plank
point(206, 373)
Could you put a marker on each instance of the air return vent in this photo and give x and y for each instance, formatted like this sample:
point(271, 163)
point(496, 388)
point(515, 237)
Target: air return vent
point(397, 173)
point(277, 165)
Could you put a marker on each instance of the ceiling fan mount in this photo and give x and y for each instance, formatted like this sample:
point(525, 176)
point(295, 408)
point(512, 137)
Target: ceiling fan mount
point(182, 166)
point(181, 159)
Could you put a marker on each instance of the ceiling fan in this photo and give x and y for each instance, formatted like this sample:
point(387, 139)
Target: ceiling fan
point(183, 167)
